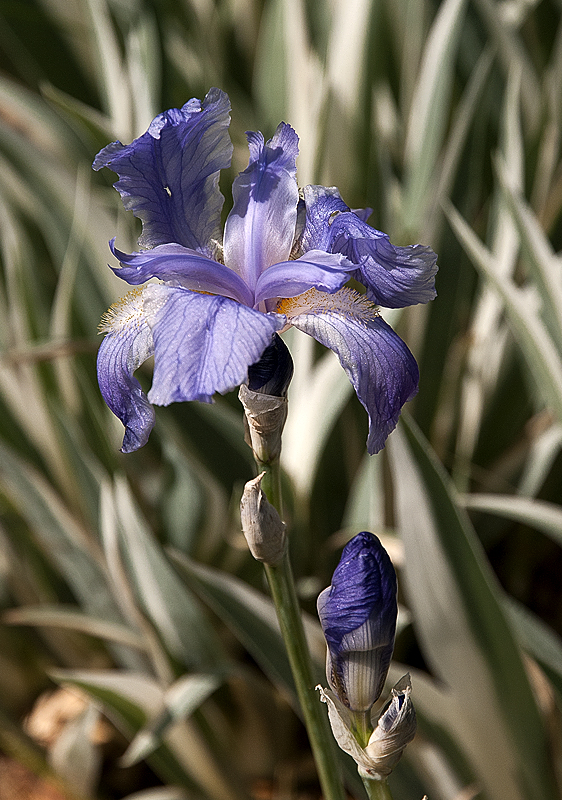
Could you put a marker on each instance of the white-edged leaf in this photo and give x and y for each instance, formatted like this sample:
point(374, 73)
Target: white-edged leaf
point(489, 335)
point(112, 78)
point(180, 700)
point(289, 78)
point(63, 540)
point(173, 610)
point(540, 641)
point(144, 70)
point(545, 266)
point(438, 757)
point(132, 697)
point(347, 50)
point(544, 451)
point(317, 395)
point(161, 793)
point(72, 618)
point(365, 504)
point(75, 756)
point(251, 617)
point(456, 604)
point(503, 26)
point(453, 146)
point(540, 514)
point(130, 700)
point(248, 613)
point(541, 354)
point(428, 115)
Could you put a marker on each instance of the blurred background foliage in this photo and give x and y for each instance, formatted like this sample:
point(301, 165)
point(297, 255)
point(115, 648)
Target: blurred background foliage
point(126, 578)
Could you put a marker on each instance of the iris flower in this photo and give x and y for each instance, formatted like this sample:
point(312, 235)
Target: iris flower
point(284, 259)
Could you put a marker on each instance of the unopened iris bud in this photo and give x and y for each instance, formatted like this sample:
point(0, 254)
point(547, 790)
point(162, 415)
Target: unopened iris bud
point(273, 372)
point(265, 401)
point(264, 419)
point(262, 526)
point(396, 727)
point(358, 616)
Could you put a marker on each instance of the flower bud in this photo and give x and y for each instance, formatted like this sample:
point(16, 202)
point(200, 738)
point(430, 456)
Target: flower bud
point(273, 372)
point(261, 524)
point(265, 400)
point(358, 616)
point(264, 419)
point(395, 728)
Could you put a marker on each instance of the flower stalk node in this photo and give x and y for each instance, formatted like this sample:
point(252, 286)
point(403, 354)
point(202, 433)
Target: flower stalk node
point(262, 526)
point(264, 419)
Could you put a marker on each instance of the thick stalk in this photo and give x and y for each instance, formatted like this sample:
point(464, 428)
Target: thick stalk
point(271, 484)
point(362, 727)
point(282, 587)
point(377, 790)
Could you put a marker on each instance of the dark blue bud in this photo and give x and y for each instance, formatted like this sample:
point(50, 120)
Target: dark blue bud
point(358, 616)
point(273, 372)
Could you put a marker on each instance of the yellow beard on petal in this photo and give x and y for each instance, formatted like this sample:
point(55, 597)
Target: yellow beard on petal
point(124, 313)
point(345, 302)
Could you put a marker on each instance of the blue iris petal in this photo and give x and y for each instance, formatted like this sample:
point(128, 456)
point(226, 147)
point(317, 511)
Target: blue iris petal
point(120, 354)
point(205, 344)
point(316, 269)
point(363, 587)
point(180, 265)
point(380, 366)
point(260, 228)
point(168, 177)
point(393, 276)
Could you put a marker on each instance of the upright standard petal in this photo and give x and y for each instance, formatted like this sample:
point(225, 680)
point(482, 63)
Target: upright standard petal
point(169, 176)
point(322, 204)
point(203, 344)
point(126, 346)
point(394, 276)
point(260, 228)
point(181, 266)
point(380, 367)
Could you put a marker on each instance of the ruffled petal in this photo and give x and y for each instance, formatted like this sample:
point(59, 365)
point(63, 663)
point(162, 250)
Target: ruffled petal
point(127, 345)
point(204, 344)
point(180, 265)
point(169, 176)
point(382, 370)
point(260, 228)
point(322, 204)
point(316, 269)
point(394, 276)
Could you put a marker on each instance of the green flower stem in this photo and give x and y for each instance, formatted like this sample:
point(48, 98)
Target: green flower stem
point(362, 727)
point(377, 790)
point(282, 587)
point(271, 483)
